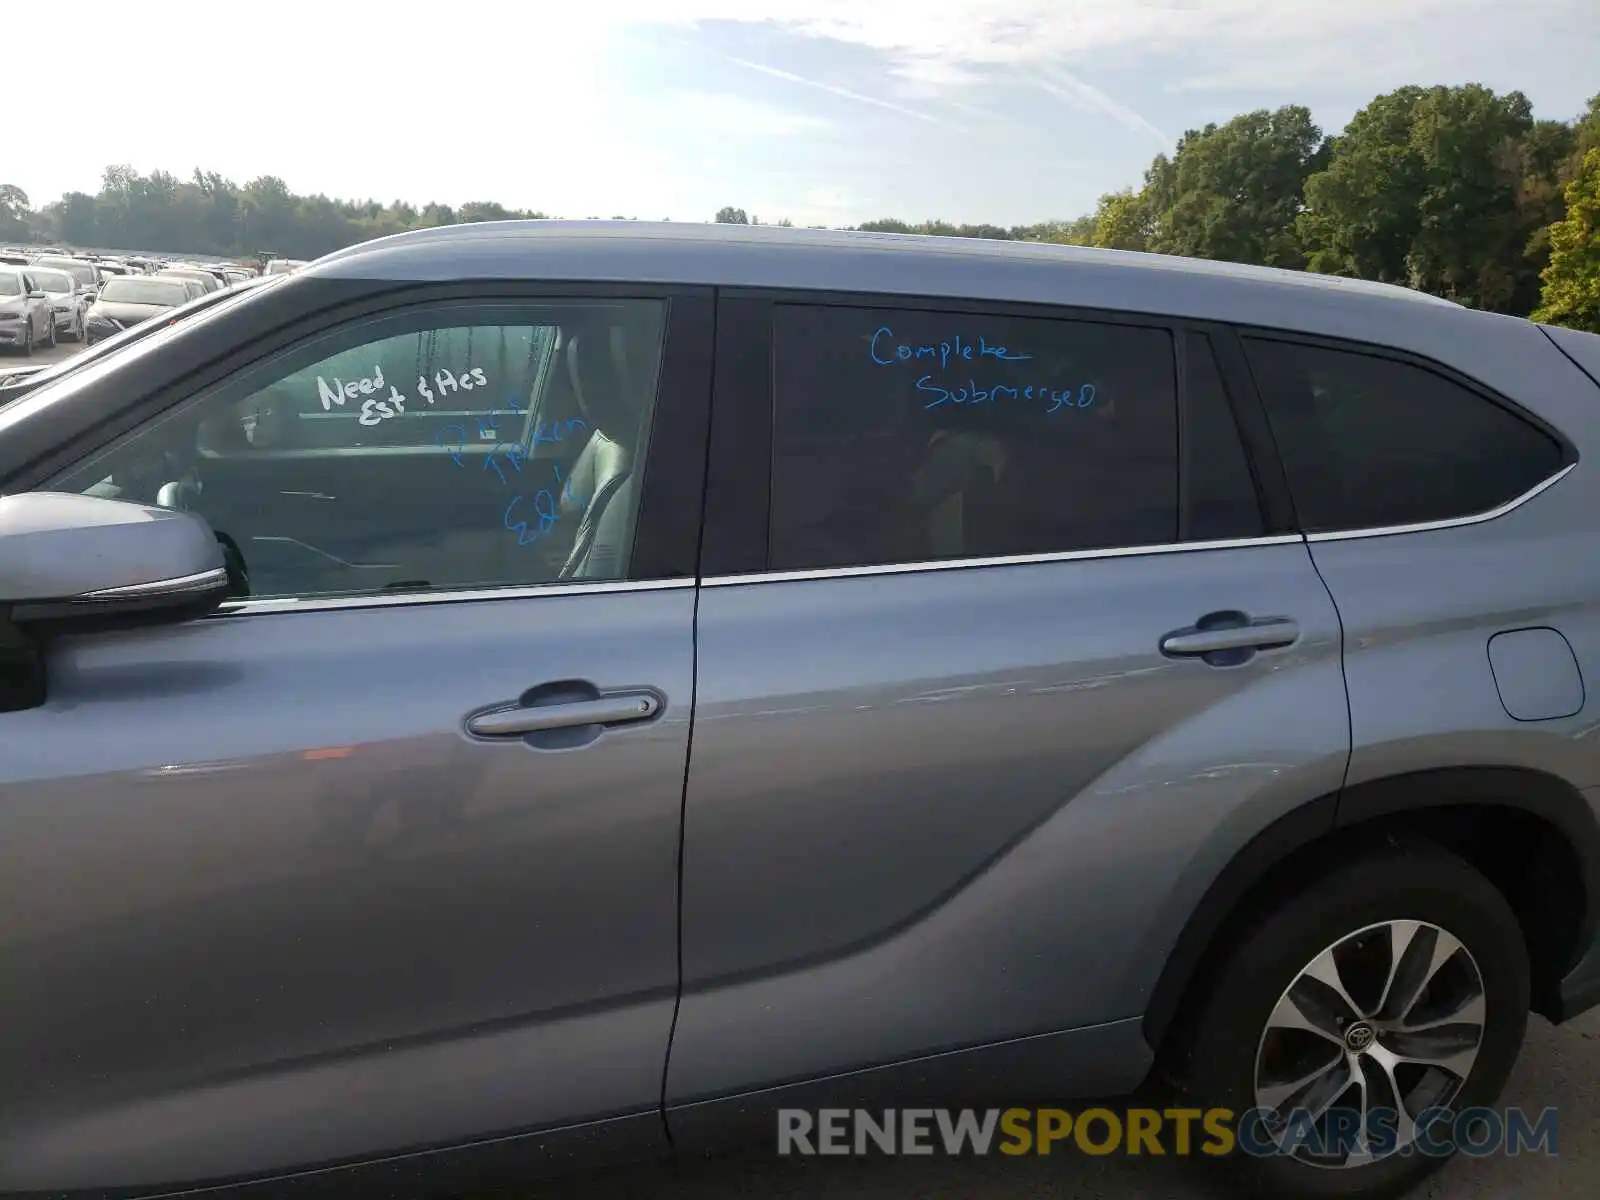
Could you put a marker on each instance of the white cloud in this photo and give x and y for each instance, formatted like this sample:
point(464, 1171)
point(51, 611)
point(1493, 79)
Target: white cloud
point(728, 116)
point(1075, 92)
point(931, 44)
point(831, 89)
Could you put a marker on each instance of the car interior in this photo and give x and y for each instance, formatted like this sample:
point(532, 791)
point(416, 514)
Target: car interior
point(527, 477)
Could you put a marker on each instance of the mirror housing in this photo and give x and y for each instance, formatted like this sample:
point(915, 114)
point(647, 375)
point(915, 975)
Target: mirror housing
point(71, 562)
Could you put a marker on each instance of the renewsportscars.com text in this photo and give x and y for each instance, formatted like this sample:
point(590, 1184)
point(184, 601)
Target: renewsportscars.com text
point(1214, 1132)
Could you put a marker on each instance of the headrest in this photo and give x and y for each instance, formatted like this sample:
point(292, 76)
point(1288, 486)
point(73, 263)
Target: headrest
point(596, 368)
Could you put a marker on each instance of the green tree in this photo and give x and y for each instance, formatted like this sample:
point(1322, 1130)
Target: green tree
point(1572, 280)
point(732, 216)
point(78, 219)
point(14, 212)
point(1585, 135)
point(1123, 221)
point(1234, 191)
point(1443, 189)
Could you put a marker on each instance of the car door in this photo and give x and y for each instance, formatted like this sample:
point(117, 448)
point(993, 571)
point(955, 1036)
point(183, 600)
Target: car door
point(997, 667)
point(38, 310)
point(383, 856)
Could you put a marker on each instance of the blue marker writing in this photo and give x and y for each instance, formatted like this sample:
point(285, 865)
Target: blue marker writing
point(1064, 399)
point(882, 350)
point(555, 432)
point(460, 443)
point(544, 508)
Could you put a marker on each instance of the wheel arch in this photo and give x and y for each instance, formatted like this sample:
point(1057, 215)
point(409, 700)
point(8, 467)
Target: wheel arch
point(1489, 815)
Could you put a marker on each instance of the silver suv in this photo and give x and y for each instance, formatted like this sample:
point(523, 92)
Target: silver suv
point(530, 692)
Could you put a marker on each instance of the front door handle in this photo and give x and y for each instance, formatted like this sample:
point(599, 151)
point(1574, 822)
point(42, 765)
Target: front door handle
point(1238, 634)
point(607, 710)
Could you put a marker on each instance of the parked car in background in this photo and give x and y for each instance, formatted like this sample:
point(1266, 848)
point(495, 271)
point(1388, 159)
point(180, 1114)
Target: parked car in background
point(205, 278)
point(16, 381)
point(26, 318)
point(66, 300)
point(14, 258)
point(83, 270)
point(283, 266)
point(130, 300)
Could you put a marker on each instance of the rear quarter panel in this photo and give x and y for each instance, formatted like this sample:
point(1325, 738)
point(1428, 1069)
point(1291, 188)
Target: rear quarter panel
point(1419, 608)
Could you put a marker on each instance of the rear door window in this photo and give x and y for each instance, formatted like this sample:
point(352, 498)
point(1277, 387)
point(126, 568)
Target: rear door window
point(903, 436)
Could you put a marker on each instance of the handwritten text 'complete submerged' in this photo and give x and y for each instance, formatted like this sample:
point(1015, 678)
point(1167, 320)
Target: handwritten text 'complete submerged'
point(888, 351)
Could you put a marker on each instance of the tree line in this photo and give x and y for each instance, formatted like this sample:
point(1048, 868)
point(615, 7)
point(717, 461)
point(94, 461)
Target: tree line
point(1458, 191)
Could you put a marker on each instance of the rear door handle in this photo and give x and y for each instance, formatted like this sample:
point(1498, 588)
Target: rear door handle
point(1251, 635)
point(607, 710)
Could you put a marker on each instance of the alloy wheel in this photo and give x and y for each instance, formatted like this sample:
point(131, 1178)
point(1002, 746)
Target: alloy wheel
point(1385, 1023)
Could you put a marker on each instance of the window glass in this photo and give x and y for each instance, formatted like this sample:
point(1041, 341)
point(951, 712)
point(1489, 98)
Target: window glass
point(56, 282)
point(1219, 490)
point(144, 291)
point(10, 284)
point(1370, 442)
point(913, 436)
point(467, 446)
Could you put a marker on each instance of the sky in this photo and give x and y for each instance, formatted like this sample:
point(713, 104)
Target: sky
point(820, 111)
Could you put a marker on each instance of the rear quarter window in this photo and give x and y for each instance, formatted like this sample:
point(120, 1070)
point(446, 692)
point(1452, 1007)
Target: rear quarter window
point(1369, 441)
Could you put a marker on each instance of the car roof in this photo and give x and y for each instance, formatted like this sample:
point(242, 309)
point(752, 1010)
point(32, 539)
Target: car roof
point(909, 265)
point(772, 256)
point(839, 265)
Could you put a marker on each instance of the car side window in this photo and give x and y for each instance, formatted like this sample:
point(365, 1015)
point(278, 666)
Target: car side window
point(460, 446)
point(904, 436)
point(1219, 490)
point(1370, 442)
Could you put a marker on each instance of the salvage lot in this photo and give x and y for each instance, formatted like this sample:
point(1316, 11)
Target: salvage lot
point(1558, 1067)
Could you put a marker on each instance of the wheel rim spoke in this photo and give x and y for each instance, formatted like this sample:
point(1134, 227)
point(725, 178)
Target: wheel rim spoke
point(1325, 970)
point(1471, 1012)
point(1276, 1096)
point(1306, 1016)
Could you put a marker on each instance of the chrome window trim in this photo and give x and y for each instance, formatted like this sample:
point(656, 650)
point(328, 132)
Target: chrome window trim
point(234, 608)
point(1516, 502)
point(1013, 560)
point(288, 604)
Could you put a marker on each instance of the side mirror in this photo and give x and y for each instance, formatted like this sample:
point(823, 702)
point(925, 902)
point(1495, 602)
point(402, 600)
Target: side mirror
point(71, 562)
point(36, 295)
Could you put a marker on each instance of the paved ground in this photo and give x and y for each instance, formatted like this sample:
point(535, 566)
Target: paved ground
point(1559, 1067)
point(11, 358)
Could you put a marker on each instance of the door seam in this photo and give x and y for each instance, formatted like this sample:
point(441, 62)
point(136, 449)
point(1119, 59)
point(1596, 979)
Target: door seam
point(1344, 681)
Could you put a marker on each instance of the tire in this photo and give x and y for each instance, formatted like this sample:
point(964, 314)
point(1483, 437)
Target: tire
point(51, 344)
point(27, 341)
point(1397, 895)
